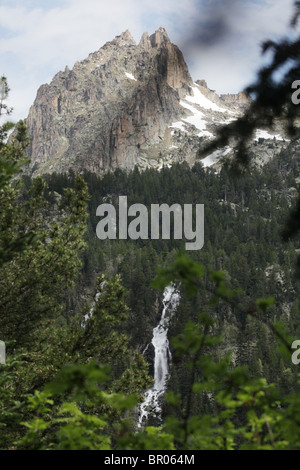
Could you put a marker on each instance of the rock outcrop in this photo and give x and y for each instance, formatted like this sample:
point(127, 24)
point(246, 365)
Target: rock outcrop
point(236, 101)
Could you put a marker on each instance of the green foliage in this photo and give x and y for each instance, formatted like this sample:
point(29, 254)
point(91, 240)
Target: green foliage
point(66, 426)
point(11, 160)
point(210, 390)
point(247, 413)
point(34, 281)
point(10, 406)
point(185, 270)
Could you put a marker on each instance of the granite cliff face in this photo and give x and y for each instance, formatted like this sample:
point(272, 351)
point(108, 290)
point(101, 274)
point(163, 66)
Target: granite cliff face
point(127, 104)
point(101, 114)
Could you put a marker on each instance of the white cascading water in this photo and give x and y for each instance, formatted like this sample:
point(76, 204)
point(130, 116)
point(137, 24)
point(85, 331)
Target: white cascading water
point(153, 396)
point(91, 311)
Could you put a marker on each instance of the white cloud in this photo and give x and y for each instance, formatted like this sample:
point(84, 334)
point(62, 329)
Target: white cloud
point(230, 64)
point(39, 38)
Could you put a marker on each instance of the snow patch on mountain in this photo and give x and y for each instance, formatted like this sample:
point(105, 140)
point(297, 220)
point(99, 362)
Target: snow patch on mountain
point(262, 134)
point(130, 76)
point(197, 119)
point(204, 102)
point(215, 156)
point(177, 125)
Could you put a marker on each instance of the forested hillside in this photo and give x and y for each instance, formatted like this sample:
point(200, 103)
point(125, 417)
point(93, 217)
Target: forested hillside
point(243, 249)
point(244, 220)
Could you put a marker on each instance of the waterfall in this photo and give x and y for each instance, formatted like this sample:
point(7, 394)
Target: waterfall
point(162, 358)
point(91, 311)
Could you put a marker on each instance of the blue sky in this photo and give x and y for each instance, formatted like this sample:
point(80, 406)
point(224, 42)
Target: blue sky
point(220, 39)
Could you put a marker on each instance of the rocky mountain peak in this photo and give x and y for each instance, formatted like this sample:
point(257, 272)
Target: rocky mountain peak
point(125, 105)
point(125, 39)
point(160, 38)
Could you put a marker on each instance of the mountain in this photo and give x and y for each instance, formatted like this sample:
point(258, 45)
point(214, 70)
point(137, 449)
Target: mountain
point(129, 104)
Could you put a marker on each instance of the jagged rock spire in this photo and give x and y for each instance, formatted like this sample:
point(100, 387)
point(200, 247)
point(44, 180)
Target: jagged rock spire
point(159, 38)
point(125, 39)
point(145, 42)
